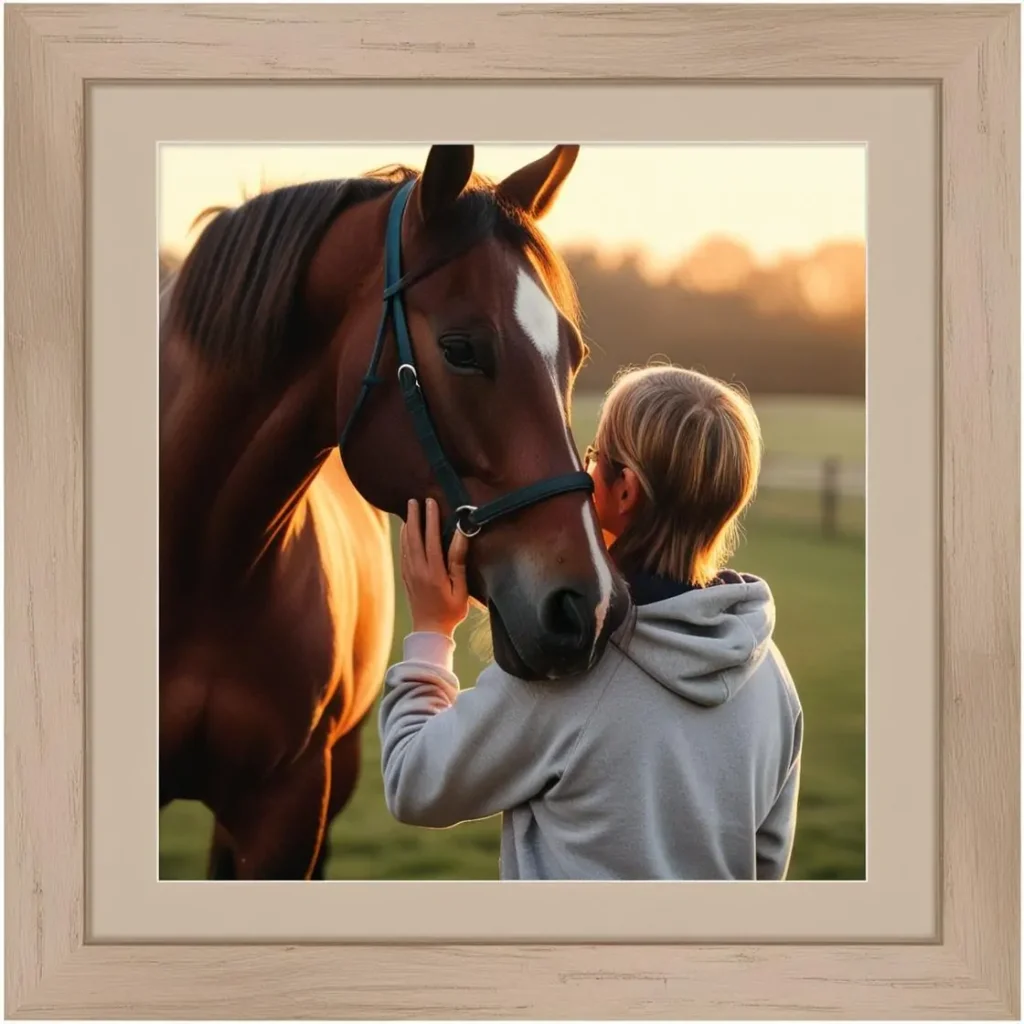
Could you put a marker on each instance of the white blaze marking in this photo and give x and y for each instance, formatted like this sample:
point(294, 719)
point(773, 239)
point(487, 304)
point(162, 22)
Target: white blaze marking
point(538, 318)
point(604, 577)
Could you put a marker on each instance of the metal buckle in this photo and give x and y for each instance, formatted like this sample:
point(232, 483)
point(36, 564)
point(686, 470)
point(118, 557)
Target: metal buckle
point(412, 370)
point(462, 514)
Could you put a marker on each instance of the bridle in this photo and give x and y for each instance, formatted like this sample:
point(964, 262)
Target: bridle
point(467, 518)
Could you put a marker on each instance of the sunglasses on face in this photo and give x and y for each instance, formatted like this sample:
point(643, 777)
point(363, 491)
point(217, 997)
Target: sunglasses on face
point(590, 456)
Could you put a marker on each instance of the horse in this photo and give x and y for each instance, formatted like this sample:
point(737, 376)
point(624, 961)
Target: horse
point(424, 316)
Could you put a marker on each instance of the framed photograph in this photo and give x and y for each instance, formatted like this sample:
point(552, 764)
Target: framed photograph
point(676, 344)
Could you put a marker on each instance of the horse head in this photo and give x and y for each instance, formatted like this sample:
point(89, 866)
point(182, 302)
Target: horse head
point(491, 319)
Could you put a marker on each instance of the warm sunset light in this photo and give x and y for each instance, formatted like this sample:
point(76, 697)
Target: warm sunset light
point(721, 295)
point(660, 200)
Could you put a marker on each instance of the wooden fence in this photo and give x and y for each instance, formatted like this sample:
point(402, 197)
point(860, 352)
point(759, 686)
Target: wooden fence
point(830, 483)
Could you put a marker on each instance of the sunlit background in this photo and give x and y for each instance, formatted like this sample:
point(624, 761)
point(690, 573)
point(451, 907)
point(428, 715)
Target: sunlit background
point(742, 261)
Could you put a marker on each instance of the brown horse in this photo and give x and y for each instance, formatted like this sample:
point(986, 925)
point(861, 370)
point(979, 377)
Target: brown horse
point(276, 597)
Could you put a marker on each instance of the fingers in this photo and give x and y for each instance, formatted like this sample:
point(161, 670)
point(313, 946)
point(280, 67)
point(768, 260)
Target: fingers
point(413, 547)
point(408, 574)
point(422, 554)
point(457, 551)
point(437, 593)
point(432, 540)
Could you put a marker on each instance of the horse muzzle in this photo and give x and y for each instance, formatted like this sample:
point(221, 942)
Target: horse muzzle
point(559, 633)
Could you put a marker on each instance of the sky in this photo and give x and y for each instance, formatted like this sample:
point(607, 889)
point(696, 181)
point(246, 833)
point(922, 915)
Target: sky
point(662, 200)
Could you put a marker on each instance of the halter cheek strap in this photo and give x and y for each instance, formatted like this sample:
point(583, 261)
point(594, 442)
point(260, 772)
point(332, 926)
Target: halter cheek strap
point(465, 517)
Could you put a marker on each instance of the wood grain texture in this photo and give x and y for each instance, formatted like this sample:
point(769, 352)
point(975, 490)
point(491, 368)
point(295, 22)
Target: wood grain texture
point(980, 488)
point(517, 982)
point(52, 53)
point(44, 542)
point(508, 41)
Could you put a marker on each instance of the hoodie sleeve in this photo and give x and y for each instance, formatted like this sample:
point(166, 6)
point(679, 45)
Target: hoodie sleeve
point(775, 836)
point(449, 756)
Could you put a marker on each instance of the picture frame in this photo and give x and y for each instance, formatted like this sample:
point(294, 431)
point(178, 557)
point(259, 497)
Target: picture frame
point(970, 56)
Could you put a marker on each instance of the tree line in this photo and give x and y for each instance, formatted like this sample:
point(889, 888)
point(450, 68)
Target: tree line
point(793, 327)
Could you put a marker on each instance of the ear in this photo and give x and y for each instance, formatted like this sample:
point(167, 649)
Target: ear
point(627, 490)
point(445, 175)
point(533, 188)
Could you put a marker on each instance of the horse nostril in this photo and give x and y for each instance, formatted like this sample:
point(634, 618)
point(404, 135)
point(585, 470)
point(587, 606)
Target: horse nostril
point(567, 619)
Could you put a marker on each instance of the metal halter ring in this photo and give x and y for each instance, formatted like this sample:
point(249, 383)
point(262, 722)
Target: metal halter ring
point(464, 524)
point(412, 370)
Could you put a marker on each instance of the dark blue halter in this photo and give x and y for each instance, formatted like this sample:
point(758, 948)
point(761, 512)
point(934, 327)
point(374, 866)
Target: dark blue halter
point(465, 517)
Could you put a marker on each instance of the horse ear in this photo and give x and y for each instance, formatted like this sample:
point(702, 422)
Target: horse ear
point(446, 174)
point(533, 188)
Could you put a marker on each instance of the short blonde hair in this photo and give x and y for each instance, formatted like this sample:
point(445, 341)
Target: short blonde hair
point(694, 443)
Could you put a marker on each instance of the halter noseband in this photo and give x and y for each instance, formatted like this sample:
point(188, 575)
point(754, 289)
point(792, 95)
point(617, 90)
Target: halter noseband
point(467, 518)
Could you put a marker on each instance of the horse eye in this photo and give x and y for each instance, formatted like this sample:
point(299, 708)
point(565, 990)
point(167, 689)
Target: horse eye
point(460, 353)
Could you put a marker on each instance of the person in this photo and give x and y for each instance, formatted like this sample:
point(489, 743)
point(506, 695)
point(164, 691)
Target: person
point(678, 755)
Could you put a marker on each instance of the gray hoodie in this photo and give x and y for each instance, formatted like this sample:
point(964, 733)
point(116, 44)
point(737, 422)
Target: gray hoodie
point(676, 757)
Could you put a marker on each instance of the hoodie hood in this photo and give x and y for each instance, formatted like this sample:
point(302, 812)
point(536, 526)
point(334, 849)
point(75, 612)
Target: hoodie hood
point(705, 643)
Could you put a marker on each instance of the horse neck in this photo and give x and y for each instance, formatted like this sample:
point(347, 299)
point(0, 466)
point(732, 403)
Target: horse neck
point(234, 466)
point(236, 460)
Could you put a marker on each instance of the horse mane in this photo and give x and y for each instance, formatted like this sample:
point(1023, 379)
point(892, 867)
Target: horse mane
point(235, 295)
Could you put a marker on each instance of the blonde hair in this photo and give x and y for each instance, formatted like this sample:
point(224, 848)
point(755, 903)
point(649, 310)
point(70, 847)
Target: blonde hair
point(694, 444)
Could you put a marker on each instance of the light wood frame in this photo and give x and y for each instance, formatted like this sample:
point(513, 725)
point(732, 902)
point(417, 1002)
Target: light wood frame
point(971, 56)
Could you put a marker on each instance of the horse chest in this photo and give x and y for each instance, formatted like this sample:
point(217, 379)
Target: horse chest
point(295, 657)
point(254, 698)
point(245, 687)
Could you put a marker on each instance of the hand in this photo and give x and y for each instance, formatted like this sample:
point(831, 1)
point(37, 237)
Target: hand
point(438, 597)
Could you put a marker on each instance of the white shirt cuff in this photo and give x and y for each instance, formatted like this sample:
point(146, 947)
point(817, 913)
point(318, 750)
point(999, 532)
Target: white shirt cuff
point(433, 648)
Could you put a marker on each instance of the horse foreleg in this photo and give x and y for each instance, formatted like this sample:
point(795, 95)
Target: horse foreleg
point(345, 761)
point(278, 829)
point(221, 863)
point(279, 832)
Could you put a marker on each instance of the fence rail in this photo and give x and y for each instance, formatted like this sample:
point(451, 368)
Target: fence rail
point(794, 473)
point(827, 485)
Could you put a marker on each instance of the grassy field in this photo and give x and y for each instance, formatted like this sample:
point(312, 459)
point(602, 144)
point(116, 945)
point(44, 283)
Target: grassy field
point(806, 425)
point(819, 590)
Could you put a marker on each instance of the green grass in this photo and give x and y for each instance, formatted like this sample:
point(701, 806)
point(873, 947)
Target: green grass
point(796, 425)
point(819, 591)
point(814, 427)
